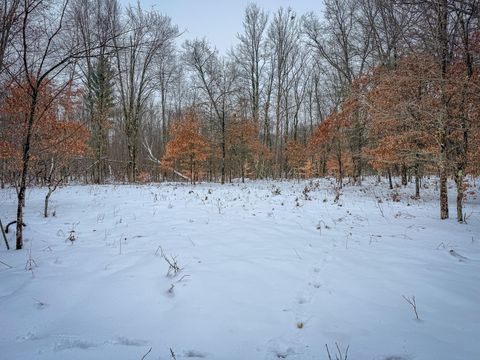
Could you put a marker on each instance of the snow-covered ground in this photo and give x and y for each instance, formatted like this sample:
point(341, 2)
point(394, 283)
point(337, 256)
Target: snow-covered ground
point(266, 274)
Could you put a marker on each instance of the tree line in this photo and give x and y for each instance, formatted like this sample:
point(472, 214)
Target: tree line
point(95, 92)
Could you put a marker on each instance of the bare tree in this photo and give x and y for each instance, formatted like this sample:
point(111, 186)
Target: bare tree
point(466, 16)
point(96, 21)
point(389, 23)
point(47, 51)
point(216, 78)
point(168, 76)
point(149, 35)
point(283, 35)
point(251, 55)
point(9, 21)
point(340, 40)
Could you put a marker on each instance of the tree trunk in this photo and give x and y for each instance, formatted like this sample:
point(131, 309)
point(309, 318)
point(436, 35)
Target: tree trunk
point(47, 198)
point(390, 183)
point(243, 171)
point(404, 176)
point(340, 172)
point(25, 164)
point(459, 181)
point(443, 194)
point(224, 154)
point(2, 175)
point(192, 179)
point(443, 53)
point(417, 181)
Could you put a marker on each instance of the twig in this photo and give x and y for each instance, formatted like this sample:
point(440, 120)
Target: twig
point(10, 267)
point(172, 354)
point(328, 352)
point(338, 356)
point(173, 268)
point(183, 277)
point(340, 353)
point(298, 255)
point(40, 304)
point(148, 352)
point(413, 303)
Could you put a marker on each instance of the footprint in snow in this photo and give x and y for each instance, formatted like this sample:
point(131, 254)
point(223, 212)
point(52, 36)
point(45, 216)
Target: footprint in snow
point(72, 342)
point(194, 354)
point(284, 349)
point(302, 300)
point(395, 357)
point(128, 342)
point(30, 336)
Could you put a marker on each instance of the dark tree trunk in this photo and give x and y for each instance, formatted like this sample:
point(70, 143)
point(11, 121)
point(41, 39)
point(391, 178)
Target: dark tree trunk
point(224, 154)
point(459, 182)
point(417, 180)
point(390, 183)
point(404, 176)
point(443, 194)
point(25, 164)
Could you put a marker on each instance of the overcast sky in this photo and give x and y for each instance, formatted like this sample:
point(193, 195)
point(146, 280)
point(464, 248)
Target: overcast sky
point(219, 20)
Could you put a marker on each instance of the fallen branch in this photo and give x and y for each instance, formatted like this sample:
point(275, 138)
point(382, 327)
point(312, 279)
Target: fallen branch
point(154, 159)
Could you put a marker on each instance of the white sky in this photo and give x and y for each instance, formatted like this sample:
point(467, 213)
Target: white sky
point(219, 21)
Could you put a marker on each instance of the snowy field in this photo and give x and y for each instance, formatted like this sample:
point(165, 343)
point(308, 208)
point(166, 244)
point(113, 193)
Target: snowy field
point(267, 272)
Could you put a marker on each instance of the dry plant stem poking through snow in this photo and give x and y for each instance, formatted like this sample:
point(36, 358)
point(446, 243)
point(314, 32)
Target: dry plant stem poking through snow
point(413, 303)
point(173, 267)
point(339, 355)
point(4, 235)
point(30, 264)
point(146, 354)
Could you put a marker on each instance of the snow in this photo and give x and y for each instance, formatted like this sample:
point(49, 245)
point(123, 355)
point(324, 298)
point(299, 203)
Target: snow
point(265, 275)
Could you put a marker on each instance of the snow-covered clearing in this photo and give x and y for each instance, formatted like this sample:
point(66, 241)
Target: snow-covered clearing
point(266, 274)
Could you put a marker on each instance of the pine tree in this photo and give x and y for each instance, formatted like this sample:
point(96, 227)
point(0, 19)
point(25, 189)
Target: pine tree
point(99, 101)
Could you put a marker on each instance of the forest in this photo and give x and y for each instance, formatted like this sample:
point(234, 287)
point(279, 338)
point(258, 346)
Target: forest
point(97, 92)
